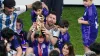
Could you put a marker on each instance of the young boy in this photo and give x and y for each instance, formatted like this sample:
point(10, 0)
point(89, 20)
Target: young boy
point(40, 44)
point(64, 35)
point(22, 35)
point(38, 9)
point(89, 23)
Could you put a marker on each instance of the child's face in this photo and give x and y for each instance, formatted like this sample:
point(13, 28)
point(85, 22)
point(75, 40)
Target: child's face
point(40, 39)
point(38, 12)
point(87, 3)
point(65, 50)
point(18, 26)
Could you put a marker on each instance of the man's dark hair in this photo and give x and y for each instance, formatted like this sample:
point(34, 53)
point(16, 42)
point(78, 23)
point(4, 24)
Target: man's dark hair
point(9, 3)
point(52, 12)
point(37, 5)
point(63, 23)
point(7, 33)
point(54, 53)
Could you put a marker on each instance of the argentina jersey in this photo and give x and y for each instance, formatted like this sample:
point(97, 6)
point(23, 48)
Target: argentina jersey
point(10, 20)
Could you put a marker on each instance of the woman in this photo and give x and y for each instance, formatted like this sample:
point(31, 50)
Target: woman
point(67, 50)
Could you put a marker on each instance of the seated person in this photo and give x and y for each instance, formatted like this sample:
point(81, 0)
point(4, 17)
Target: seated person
point(9, 36)
point(64, 35)
point(22, 35)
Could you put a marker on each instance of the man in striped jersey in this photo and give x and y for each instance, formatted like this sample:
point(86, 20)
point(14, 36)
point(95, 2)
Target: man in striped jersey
point(8, 15)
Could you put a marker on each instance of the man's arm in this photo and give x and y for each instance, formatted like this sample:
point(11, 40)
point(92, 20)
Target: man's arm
point(49, 37)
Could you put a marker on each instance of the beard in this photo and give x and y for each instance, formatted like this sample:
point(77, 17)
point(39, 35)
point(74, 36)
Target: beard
point(50, 23)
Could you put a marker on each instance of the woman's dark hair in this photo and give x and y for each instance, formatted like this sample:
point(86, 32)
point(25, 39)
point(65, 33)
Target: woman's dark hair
point(70, 48)
point(2, 48)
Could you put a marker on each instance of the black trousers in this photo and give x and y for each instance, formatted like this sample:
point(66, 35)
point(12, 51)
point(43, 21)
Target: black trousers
point(55, 5)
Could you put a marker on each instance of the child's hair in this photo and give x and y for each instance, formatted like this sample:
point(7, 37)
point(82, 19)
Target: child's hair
point(95, 47)
point(2, 48)
point(87, 0)
point(20, 21)
point(70, 48)
point(7, 33)
point(37, 5)
point(54, 53)
point(63, 23)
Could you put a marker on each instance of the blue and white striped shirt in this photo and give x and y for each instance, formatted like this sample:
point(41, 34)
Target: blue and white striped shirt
point(10, 20)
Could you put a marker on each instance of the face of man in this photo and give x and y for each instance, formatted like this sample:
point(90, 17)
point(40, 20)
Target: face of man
point(8, 11)
point(51, 19)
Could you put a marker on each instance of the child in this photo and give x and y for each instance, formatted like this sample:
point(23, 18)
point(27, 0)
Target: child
point(38, 9)
point(64, 35)
point(21, 34)
point(39, 14)
point(40, 44)
point(89, 24)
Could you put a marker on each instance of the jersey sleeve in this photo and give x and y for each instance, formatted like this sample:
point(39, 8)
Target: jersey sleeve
point(45, 12)
point(33, 16)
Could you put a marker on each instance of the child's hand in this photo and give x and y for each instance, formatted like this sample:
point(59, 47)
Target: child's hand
point(81, 18)
point(34, 25)
point(79, 21)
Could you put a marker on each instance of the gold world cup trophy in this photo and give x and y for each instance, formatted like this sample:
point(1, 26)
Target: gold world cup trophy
point(40, 24)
